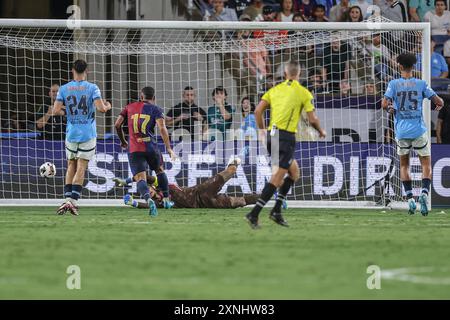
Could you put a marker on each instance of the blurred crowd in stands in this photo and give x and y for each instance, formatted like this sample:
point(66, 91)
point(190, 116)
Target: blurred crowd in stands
point(341, 68)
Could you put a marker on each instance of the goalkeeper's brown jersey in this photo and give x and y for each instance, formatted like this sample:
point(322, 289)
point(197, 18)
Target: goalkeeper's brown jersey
point(183, 197)
point(204, 195)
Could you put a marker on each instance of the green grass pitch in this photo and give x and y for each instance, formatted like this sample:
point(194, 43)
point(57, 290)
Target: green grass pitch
point(213, 254)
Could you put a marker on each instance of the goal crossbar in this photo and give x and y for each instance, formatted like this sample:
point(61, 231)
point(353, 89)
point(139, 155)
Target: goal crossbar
point(215, 25)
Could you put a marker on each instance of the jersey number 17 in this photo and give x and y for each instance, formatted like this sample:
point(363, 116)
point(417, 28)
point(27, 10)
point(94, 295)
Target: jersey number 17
point(140, 127)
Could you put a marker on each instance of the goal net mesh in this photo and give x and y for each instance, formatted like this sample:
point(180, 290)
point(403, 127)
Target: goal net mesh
point(347, 71)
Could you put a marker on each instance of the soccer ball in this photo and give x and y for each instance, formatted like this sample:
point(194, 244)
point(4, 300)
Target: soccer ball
point(47, 170)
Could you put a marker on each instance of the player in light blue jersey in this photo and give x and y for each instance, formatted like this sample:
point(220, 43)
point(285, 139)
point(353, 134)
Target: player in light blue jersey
point(404, 98)
point(81, 99)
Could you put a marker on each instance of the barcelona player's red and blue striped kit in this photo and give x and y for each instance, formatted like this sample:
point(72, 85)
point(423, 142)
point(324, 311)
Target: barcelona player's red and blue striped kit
point(143, 148)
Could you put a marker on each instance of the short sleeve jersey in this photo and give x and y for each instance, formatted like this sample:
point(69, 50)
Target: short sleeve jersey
point(287, 101)
point(407, 96)
point(79, 97)
point(141, 125)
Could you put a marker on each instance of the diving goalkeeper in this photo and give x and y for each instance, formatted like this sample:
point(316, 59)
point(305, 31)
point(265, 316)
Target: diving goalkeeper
point(204, 195)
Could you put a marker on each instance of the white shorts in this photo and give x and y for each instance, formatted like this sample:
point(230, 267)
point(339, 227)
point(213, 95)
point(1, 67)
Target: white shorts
point(421, 145)
point(82, 150)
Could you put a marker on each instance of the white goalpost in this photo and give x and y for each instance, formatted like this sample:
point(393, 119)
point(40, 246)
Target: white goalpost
point(346, 65)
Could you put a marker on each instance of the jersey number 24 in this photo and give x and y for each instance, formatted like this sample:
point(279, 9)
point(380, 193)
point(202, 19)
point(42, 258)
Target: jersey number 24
point(74, 106)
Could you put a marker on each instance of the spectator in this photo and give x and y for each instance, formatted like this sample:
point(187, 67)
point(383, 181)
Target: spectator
point(220, 114)
point(52, 127)
point(338, 12)
point(13, 124)
point(370, 89)
point(248, 127)
point(443, 125)
point(268, 16)
point(328, 4)
point(248, 66)
point(256, 65)
point(255, 10)
point(287, 11)
point(345, 88)
point(447, 51)
point(393, 10)
point(238, 5)
point(363, 5)
point(221, 13)
point(316, 83)
point(306, 55)
point(418, 9)
point(354, 14)
point(439, 19)
point(186, 115)
point(439, 67)
point(336, 63)
point(319, 14)
point(299, 17)
point(305, 7)
point(381, 56)
point(206, 8)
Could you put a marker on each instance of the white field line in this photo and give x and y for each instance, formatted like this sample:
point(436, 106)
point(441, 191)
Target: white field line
point(406, 275)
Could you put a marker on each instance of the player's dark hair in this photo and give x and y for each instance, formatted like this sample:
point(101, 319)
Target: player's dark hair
point(445, 2)
point(148, 93)
point(219, 89)
point(407, 60)
point(79, 66)
point(188, 88)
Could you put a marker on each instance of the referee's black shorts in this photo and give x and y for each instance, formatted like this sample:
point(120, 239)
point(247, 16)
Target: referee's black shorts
point(285, 149)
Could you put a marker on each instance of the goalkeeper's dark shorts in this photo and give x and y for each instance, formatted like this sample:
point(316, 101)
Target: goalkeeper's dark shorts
point(281, 148)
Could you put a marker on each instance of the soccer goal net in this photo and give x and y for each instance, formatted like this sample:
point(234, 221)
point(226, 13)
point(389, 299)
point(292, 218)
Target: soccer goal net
point(190, 64)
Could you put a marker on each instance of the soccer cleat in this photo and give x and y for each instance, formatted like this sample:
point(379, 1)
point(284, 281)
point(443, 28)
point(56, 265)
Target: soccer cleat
point(73, 208)
point(284, 205)
point(423, 200)
point(153, 211)
point(278, 219)
point(62, 209)
point(119, 182)
point(128, 199)
point(252, 221)
point(68, 206)
point(234, 162)
point(167, 204)
point(412, 206)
